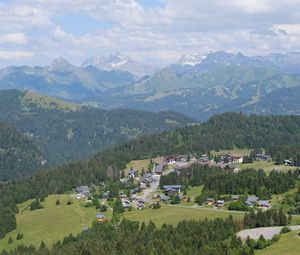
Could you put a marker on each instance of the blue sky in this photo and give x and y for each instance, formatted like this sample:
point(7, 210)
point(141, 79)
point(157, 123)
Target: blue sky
point(157, 32)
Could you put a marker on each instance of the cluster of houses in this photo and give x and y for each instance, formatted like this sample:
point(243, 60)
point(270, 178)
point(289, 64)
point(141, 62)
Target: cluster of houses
point(138, 203)
point(262, 157)
point(251, 201)
point(168, 192)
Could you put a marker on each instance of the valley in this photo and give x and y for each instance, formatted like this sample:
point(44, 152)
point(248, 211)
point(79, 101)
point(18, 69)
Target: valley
point(138, 127)
point(72, 215)
point(206, 161)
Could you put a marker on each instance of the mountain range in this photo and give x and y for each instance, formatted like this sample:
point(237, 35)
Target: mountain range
point(197, 86)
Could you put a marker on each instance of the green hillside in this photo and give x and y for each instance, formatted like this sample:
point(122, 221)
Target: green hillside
point(288, 244)
point(223, 88)
point(19, 156)
point(66, 132)
point(50, 224)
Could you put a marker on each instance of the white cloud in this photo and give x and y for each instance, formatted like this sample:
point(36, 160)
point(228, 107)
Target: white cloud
point(15, 38)
point(159, 34)
point(12, 55)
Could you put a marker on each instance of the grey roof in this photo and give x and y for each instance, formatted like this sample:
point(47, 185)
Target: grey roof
point(252, 199)
point(132, 171)
point(231, 165)
point(263, 202)
point(164, 198)
point(170, 187)
point(159, 168)
point(83, 189)
point(100, 216)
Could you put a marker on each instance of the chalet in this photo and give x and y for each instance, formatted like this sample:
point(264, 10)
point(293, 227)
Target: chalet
point(227, 166)
point(288, 162)
point(147, 178)
point(262, 157)
point(140, 204)
point(171, 190)
point(209, 201)
point(220, 203)
point(204, 158)
point(101, 218)
point(177, 158)
point(125, 203)
point(159, 169)
point(105, 195)
point(82, 192)
point(132, 173)
point(251, 200)
point(263, 203)
point(232, 158)
point(230, 167)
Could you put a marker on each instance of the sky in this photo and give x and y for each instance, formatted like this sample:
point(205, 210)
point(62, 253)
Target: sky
point(156, 32)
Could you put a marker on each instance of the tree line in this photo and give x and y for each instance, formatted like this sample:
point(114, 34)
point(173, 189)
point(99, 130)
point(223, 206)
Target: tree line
point(129, 237)
point(248, 181)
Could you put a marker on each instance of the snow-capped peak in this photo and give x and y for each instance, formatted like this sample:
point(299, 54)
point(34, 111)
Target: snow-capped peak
point(119, 62)
point(192, 59)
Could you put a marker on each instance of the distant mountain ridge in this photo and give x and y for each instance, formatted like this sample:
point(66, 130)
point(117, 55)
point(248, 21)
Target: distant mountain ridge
point(220, 82)
point(64, 80)
point(199, 85)
point(119, 62)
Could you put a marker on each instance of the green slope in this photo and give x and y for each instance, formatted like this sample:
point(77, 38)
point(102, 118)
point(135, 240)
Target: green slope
point(19, 156)
point(66, 131)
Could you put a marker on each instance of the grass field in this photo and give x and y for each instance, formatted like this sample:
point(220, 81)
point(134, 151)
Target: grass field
point(296, 221)
point(137, 165)
point(174, 214)
point(192, 192)
point(50, 224)
point(267, 166)
point(289, 244)
point(241, 152)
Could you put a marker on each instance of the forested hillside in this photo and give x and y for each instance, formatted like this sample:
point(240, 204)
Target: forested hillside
point(19, 156)
point(277, 134)
point(67, 132)
point(189, 237)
